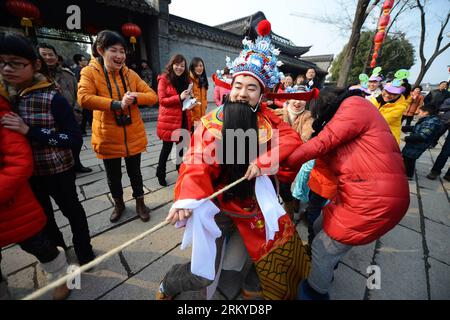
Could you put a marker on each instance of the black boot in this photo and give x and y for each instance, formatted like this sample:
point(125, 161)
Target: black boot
point(161, 175)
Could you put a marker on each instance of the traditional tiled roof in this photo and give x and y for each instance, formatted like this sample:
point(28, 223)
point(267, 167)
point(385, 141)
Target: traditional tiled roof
point(140, 6)
point(319, 58)
point(289, 55)
point(203, 31)
point(322, 61)
point(246, 26)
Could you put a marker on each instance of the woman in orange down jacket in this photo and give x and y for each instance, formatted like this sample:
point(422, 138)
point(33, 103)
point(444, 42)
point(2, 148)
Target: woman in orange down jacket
point(114, 92)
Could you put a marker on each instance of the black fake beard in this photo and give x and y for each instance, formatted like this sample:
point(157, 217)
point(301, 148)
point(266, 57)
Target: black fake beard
point(238, 115)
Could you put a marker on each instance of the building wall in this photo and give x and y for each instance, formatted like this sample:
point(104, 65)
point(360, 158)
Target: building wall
point(212, 53)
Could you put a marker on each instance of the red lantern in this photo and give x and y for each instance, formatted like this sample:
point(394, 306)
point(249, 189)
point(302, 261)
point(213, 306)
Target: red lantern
point(373, 63)
point(131, 30)
point(379, 37)
point(384, 21)
point(25, 10)
point(388, 4)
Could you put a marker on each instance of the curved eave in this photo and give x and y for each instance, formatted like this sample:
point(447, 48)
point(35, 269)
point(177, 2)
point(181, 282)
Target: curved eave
point(295, 63)
point(188, 27)
point(141, 6)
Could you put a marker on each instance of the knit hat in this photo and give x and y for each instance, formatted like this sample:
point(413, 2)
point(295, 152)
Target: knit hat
point(258, 59)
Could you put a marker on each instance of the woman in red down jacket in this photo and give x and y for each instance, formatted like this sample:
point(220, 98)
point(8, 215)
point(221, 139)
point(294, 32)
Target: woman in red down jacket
point(172, 91)
point(372, 189)
point(21, 216)
point(22, 219)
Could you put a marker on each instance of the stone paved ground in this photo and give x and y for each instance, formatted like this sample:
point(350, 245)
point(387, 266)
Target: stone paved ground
point(414, 258)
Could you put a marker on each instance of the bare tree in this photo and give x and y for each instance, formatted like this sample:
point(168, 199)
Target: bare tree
point(424, 64)
point(403, 6)
point(362, 12)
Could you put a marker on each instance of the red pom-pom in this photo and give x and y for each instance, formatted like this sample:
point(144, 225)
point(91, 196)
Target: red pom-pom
point(264, 28)
point(315, 93)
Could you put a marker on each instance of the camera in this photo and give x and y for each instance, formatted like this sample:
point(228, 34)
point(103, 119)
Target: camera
point(123, 120)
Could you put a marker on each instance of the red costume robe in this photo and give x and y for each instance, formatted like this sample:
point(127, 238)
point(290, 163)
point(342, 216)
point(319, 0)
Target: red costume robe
point(280, 263)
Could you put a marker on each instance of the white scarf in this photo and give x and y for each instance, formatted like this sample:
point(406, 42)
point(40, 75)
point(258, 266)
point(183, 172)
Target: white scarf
point(202, 231)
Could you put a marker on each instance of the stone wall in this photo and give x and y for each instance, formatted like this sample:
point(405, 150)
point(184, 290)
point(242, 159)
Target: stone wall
point(213, 54)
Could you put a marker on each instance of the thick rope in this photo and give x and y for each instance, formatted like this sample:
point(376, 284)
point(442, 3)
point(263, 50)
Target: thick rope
point(112, 252)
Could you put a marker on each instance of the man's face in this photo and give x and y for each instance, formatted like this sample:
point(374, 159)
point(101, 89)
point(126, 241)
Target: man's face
point(245, 89)
point(373, 85)
point(49, 56)
point(443, 86)
point(83, 62)
point(310, 74)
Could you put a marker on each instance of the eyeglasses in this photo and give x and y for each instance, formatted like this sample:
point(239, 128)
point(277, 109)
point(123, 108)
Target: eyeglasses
point(13, 65)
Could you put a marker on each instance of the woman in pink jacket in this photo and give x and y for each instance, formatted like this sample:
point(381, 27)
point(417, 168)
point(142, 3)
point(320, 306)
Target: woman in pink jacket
point(372, 189)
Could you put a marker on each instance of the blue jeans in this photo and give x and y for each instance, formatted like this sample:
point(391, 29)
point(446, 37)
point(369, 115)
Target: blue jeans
point(443, 156)
point(326, 253)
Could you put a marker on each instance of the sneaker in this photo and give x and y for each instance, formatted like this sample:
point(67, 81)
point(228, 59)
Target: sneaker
point(433, 175)
point(160, 295)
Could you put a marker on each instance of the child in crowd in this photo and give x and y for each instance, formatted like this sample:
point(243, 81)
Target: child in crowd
point(423, 133)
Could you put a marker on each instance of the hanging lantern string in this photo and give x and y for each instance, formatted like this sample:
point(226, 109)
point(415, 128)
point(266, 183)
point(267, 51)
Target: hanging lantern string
point(381, 32)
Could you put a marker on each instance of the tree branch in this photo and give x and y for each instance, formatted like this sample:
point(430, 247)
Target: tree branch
point(439, 38)
point(400, 11)
point(369, 9)
point(422, 32)
point(436, 54)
